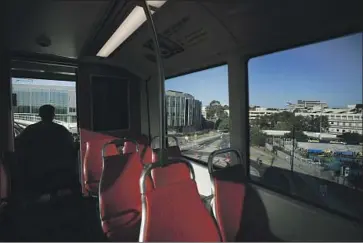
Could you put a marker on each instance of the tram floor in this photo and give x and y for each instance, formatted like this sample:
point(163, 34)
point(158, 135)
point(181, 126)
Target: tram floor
point(70, 218)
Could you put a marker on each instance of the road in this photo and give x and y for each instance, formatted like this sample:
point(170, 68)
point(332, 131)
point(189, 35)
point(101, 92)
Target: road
point(308, 180)
point(201, 151)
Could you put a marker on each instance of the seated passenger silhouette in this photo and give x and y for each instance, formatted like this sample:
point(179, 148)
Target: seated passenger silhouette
point(46, 154)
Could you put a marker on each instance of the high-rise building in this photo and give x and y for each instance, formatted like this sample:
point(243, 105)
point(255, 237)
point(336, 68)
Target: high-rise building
point(183, 110)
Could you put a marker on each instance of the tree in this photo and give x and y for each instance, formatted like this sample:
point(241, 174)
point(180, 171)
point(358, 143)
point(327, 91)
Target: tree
point(299, 136)
point(283, 125)
point(286, 120)
point(257, 137)
point(224, 124)
point(207, 124)
point(313, 124)
point(215, 110)
point(262, 122)
point(352, 138)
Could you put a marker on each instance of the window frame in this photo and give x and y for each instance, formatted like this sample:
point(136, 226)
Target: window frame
point(248, 163)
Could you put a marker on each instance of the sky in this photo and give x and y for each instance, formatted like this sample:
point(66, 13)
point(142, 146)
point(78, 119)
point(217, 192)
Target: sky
point(329, 71)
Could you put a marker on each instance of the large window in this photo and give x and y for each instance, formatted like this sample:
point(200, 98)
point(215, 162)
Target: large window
point(33, 93)
point(197, 112)
point(299, 144)
point(110, 103)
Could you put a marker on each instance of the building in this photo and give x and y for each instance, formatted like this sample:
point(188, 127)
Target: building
point(183, 110)
point(31, 94)
point(341, 120)
point(306, 105)
point(204, 112)
point(257, 111)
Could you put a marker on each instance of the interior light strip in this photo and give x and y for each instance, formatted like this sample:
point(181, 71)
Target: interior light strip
point(133, 21)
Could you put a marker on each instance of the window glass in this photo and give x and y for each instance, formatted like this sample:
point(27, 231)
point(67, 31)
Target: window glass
point(33, 93)
point(299, 149)
point(198, 113)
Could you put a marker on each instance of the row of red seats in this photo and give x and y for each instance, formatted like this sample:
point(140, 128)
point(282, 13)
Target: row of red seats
point(172, 210)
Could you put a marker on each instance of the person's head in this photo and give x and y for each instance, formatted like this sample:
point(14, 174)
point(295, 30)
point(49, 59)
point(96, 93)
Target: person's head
point(47, 113)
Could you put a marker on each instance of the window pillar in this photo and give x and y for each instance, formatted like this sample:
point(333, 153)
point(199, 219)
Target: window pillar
point(238, 105)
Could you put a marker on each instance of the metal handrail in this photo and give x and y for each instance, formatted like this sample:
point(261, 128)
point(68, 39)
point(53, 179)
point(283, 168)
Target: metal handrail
point(145, 174)
point(222, 151)
point(119, 142)
point(218, 152)
point(170, 161)
point(166, 136)
point(161, 75)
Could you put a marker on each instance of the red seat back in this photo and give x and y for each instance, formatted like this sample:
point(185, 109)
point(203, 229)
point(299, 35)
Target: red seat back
point(130, 147)
point(92, 165)
point(147, 154)
point(175, 212)
point(119, 198)
point(229, 194)
point(170, 174)
point(90, 136)
point(4, 182)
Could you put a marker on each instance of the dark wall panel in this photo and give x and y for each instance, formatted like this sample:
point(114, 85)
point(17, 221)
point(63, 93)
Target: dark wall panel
point(84, 91)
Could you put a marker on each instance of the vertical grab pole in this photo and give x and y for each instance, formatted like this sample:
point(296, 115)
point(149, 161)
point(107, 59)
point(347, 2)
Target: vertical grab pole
point(161, 75)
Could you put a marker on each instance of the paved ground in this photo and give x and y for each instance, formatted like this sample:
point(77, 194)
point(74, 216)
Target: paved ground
point(202, 151)
point(308, 181)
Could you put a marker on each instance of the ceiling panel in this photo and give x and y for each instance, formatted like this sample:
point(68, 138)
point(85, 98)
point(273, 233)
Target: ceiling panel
point(187, 36)
point(66, 23)
point(266, 24)
point(217, 29)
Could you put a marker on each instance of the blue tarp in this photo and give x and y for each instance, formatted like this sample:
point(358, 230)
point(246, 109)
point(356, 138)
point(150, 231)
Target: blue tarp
point(316, 151)
point(346, 153)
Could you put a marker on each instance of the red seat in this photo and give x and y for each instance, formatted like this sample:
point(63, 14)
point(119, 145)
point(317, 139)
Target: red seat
point(170, 174)
point(130, 147)
point(92, 164)
point(119, 196)
point(229, 194)
point(4, 182)
point(175, 212)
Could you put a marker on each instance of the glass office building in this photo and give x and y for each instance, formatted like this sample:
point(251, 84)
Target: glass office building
point(31, 94)
point(183, 110)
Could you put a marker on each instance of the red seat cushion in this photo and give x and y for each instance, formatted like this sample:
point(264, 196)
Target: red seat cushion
point(229, 184)
point(170, 174)
point(176, 213)
point(120, 199)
